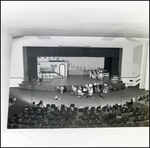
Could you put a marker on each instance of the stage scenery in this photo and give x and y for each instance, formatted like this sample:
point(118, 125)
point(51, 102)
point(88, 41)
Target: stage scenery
point(75, 88)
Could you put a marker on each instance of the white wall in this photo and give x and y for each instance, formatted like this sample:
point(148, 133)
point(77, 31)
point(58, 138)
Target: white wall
point(144, 82)
point(137, 54)
point(129, 69)
point(6, 42)
point(16, 68)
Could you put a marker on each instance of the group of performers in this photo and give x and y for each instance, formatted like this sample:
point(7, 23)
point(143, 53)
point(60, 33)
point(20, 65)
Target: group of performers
point(61, 89)
point(96, 74)
point(87, 90)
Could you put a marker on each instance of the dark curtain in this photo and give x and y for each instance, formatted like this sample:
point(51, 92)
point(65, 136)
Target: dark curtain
point(108, 64)
point(111, 65)
point(72, 52)
point(114, 66)
point(32, 68)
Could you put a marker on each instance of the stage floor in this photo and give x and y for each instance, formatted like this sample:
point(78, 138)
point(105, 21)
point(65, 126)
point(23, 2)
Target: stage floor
point(68, 81)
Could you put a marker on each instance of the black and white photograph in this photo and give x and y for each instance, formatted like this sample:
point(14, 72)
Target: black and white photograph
point(75, 73)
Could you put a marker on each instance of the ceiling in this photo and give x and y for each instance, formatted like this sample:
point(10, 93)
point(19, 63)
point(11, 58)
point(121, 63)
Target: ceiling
point(76, 18)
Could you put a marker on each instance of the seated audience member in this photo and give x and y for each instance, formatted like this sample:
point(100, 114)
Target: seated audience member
point(34, 105)
point(90, 85)
point(133, 99)
point(125, 109)
point(147, 95)
point(87, 86)
point(118, 112)
point(90, 74)
point(85, 89)
point(74, 89)
point(62, 89)
point(90, 92)
point(146, 100)
point(40, 104)
point(12, 100)
point(137, 108)
point(105, 88)
point(97, 88)
point(101, 75)
point(80, 92)
point(66, 122)
point(140, 98)
point(94, 75)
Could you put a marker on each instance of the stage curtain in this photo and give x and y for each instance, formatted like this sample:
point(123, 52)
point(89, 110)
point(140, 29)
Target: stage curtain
point(114, 66)
point(72, 52)
point(32, 68)
point(108, 64)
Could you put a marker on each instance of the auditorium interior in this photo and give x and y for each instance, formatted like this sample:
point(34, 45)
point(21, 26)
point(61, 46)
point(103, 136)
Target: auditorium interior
point(74, 73)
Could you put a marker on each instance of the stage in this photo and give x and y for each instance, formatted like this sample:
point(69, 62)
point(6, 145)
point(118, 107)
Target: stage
point(51, 84)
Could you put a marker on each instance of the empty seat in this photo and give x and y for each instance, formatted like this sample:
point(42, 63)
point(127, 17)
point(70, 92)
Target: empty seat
point(48, 106)
point(146, 123)
point(32, 121)
point(72, 105)
point(10, 120)
point(25, 121)
point(40, 120)
point(45, 125)
point(96, 123)
point(136, 124)
point(133, 114)
point(58, 122)
point(16, 126)
point(78, 123)
point(18, 120)
point(37, 125)
point(82, 117)
point(38, 116)
point(17, 115)
point(53, 106)
point(135, 118)
point(120, 124)
point(51, 121)
point(25, 125)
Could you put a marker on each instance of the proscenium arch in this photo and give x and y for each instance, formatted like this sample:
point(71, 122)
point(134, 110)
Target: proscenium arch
point(31, 54)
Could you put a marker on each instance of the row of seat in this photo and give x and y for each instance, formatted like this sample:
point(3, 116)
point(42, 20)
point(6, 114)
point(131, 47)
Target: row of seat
point(53, 116)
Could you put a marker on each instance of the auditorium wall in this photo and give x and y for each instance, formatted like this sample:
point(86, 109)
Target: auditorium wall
point(6, 42)
point(129, 69)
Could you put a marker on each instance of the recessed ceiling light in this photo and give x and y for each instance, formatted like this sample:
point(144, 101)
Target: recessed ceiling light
point(43, 37)
point(108, 38)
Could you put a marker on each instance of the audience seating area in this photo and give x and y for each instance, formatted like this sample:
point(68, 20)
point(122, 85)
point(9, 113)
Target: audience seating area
point(143, 98)
point(52, 116)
